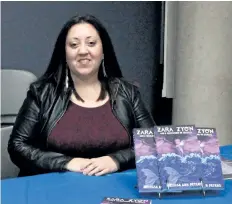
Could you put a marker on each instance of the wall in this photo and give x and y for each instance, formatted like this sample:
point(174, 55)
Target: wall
point(203, 89)
point(29, 31)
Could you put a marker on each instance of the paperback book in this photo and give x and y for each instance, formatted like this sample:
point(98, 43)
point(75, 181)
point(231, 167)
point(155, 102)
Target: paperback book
point(179, 157)
point(148, 177)
point(226, 168)
point(212, 176)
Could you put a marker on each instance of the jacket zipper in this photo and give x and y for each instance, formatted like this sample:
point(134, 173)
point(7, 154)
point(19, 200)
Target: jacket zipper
point(54, 123)
point(113, 111)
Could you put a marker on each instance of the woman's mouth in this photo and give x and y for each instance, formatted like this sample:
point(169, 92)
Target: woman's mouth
point(84, 61)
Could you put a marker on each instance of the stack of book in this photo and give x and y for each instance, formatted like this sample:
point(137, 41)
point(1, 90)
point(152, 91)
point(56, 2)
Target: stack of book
point(177, 158)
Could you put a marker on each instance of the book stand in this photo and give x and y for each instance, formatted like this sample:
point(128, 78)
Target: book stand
point(202, 189)
point(160, 193)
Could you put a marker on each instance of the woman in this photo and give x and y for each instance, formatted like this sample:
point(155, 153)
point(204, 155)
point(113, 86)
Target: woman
point(80, 114)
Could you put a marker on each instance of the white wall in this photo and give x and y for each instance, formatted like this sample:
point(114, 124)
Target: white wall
point(203, 80)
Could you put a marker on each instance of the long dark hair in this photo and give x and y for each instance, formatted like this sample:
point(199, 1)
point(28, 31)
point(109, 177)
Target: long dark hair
point(56, 70)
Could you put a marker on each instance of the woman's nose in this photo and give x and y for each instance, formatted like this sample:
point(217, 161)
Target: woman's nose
point(83, 49)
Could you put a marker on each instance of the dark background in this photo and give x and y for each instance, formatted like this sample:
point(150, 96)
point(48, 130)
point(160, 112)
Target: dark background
point(29, 31)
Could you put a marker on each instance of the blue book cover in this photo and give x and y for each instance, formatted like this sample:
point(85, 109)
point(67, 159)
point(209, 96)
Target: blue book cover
point(212, 175)
point(179, 157)
point(148, 177)
point(115, 200)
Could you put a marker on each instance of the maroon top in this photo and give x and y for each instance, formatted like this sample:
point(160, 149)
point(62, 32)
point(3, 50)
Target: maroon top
point(88, 132)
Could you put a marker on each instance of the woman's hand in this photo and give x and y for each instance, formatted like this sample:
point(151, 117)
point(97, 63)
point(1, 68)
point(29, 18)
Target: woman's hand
point(100, 166)
point(78, 164)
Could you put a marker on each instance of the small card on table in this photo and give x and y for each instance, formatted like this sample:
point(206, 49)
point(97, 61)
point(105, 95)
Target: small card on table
point(115, 200)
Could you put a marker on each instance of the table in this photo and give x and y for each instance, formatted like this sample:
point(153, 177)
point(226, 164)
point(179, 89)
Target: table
point(75, 188)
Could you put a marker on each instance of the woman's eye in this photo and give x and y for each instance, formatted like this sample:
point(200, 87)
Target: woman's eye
point(73, 45)
point(91, 44)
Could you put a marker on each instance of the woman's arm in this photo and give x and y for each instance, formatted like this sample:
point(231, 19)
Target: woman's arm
point(22, 152)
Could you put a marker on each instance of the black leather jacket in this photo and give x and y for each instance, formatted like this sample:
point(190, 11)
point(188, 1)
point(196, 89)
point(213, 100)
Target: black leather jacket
point(43, 108)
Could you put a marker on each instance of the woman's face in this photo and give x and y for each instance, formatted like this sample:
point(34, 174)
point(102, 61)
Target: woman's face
point(84, 51)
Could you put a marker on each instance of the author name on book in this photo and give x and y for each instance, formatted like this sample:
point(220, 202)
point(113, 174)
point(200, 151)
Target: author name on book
point(172, 185)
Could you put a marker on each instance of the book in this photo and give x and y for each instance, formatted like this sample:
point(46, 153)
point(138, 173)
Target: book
point(115, 200)
point(148, 178)
point(212, 176)
point(179, 157)
point(226, 168)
